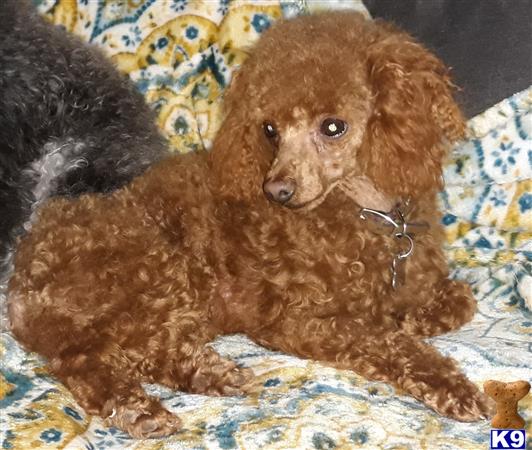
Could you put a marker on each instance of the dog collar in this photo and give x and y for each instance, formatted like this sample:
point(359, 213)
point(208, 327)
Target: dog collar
point(396, 224)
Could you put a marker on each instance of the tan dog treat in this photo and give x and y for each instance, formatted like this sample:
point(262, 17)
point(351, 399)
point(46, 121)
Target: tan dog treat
point(507, 396)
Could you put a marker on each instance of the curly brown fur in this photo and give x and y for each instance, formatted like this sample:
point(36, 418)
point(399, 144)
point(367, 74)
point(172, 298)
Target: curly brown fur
point(131, 287)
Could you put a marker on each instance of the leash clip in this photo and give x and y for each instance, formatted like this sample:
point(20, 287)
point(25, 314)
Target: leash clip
point(394, 223)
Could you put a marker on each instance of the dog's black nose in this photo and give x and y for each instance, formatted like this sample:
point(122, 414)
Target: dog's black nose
point(280, 191)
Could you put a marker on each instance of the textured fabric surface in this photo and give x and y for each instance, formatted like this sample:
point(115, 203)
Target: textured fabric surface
point(300, 404)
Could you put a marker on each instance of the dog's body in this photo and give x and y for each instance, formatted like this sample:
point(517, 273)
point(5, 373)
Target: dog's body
point(69, 122)
point(131, 287)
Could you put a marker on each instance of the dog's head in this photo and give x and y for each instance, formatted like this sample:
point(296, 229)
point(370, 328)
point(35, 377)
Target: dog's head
point(334, 101)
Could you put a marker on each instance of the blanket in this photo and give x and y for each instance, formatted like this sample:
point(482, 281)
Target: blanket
point(180, 54)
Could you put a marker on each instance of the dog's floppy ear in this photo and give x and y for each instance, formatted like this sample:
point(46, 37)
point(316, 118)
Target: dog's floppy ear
point(238, 159)
point(414, 116)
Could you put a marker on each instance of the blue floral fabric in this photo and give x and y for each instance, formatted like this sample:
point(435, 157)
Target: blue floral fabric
point(488, 202)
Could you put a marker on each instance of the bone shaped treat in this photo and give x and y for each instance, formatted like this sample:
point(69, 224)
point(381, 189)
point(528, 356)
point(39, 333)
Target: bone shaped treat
point(507, 396)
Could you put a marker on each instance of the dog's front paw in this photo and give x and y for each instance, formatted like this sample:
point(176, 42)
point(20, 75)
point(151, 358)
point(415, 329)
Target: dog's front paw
point(464, 402)
point(143, 421)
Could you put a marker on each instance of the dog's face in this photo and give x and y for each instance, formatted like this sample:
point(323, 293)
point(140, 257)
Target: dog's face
point(317, 147)
point(313, 148)
point(333, 102)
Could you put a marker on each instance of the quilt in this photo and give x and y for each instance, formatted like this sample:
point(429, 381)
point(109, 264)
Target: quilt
point(180, 54)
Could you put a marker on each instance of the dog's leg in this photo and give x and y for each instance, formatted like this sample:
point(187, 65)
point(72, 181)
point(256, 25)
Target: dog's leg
point(392, 357)
point(113, 391)
point(202, 371)
point(452, 305)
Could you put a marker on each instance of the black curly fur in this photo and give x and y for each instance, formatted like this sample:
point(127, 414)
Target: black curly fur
point(69, 122)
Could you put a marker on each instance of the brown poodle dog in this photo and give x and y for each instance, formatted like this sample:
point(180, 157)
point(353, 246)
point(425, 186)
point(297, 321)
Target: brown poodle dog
point(330, 114)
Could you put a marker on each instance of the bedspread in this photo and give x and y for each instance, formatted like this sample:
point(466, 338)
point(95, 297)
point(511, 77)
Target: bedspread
point(180, 54)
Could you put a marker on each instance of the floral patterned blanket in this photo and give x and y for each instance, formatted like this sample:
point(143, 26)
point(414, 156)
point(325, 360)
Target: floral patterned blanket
point(180, 53)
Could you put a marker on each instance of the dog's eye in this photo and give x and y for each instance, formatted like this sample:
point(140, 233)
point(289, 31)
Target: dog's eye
point(269, 130)
point(332, 127)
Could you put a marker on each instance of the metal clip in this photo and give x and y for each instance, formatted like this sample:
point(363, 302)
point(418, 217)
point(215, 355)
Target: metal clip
point(399, 260)
point(398, 273)
point(395, 223)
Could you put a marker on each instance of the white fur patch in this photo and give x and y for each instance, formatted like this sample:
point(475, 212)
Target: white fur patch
point(58, 158)
point(4, 320)
point(6, 264)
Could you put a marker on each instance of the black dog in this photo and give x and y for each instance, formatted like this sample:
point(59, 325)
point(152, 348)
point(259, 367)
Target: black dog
point(69, 122)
